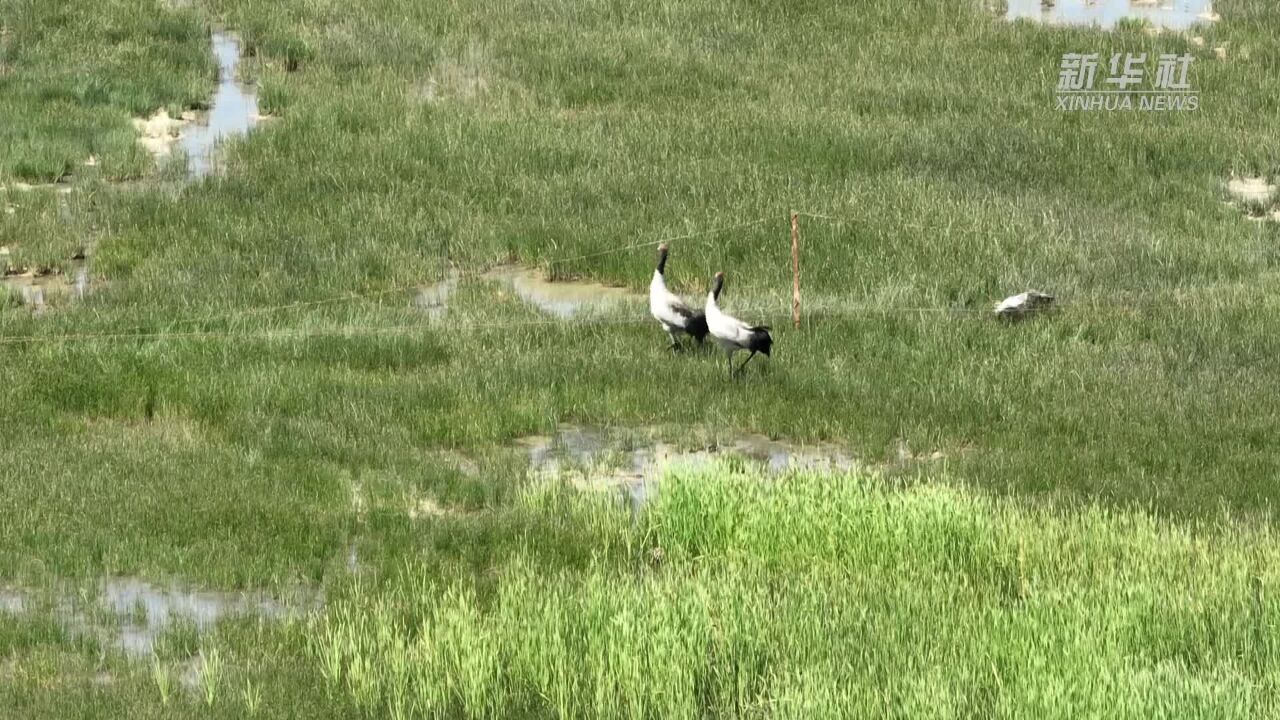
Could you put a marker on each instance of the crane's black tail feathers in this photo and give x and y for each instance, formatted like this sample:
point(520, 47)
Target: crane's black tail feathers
point(697, 327)
point(760, 340)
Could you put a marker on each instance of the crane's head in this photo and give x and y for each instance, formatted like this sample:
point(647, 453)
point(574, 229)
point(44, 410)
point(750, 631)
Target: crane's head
point(662, 258)
point(717, 284)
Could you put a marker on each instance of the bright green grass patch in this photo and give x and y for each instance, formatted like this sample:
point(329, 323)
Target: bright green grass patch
point(829, 596)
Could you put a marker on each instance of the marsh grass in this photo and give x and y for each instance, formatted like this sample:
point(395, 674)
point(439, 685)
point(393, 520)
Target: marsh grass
point(70, 71)
point(252, 697)
point(924, 131)
point(163, 679)
point(210, 675)
point(828, 596)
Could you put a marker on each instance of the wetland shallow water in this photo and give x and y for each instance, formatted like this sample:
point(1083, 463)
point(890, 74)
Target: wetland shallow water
point(1176, 15)
point(37, 290)
point(233, 112)
point(594, 459)
point(563, 299)
point(1251, 189)
point(131, 614)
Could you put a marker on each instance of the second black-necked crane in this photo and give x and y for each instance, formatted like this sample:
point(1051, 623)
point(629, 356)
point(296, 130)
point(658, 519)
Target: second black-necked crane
point(732, 334)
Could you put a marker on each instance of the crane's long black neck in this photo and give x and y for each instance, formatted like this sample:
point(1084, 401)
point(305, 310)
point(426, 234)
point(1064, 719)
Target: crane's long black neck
point(716, 286)
point(662, 261)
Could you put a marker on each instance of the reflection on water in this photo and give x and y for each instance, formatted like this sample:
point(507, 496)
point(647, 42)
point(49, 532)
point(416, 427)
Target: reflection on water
point(1251, 189)
point(563, 299)
point(139, 612)
point(434, 299)
point(233, 110)
point(36, 290)
point(1105, 14)
point(635, 469)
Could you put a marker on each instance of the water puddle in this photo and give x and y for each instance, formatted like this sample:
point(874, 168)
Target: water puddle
point(62, 190)
point(131, 614)
point(1176, 15)
point(562, 299)
point(463, 77)
point(12, 602)
point(434, 299)
point(591, 459)
point(37, 288)
point(146, 611)
point(1251, 189)
point(1254, 196)
point(233, 111)
point(62, 187)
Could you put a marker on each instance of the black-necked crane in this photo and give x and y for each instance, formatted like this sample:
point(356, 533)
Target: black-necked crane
point(674, 314)
point(731, 333)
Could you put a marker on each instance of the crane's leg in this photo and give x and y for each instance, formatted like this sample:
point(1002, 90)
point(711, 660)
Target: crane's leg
point(744, 362)
point(728, 354)
point(675, 343)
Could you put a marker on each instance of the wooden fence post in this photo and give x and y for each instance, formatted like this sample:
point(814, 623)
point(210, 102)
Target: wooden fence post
point(795, 268)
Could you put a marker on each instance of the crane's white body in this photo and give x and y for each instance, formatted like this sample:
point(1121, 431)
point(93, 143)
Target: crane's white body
point(732, 334)
point(729, 332)
point(668, 308)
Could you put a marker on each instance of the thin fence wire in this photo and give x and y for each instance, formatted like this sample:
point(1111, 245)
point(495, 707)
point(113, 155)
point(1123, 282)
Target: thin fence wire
point(654, 243)
point(770, 315)
point(832, 307)
point(427, 326)
point(382, 292)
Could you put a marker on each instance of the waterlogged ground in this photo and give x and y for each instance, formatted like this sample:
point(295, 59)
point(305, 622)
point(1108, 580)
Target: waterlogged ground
point(564, 299)
point(233, 111)
point(377, 405)
point(199, 135)
point(132, 615)
point(632, 462)
point(36, 288)
point(1176, 15)
point(561, 299)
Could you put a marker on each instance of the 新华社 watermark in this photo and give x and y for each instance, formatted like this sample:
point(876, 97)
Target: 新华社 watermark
point(1123, 83)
